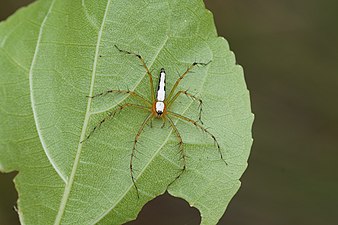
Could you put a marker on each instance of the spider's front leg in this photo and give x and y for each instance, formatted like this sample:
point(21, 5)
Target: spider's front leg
point(183, 75)
point(145, 67)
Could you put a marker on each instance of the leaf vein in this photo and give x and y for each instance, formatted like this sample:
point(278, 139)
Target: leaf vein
point(37, 124)
point(70, 182)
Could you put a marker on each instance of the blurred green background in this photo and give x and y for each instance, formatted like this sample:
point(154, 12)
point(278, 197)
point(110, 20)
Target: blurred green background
point(289, 50)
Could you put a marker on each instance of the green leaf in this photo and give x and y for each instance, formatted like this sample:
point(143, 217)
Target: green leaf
point(55, 53)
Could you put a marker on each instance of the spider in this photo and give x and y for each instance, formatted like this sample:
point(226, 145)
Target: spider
point(158, 108)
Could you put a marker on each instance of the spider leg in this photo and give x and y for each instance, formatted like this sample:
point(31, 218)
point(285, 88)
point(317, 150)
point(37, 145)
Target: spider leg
point(145, 67)
point(149, 117)
point(191, 96)
point(111, 114)
point(163, 124)
point(182, 76)
point(180, 140)
point(131, 93)
point(202, 128)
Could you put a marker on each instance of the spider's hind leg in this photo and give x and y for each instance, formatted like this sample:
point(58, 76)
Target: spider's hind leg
point(132, 156)
point(181, 148)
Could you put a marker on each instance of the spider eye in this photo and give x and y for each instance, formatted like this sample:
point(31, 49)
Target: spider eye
point(159, 112)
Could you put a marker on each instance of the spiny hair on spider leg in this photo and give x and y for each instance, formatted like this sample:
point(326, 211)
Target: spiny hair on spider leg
point(179, 174)
point(204, 130)
point(136, 150)
point(180, 169)
point(179, 143)
point(217, 145)
point(139, 143)
point(134, 156)
point(184, 157)
point(120, 107)
point(135, 170)
point(208, 134)
point(201, 63)
point(179, 152)
point(111, 114)
point(213, 136)
point(149, 125)
point(141, 65)
point(178, 73)
point(126, 87)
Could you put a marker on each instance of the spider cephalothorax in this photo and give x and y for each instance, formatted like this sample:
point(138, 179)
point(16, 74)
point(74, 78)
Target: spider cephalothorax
point(158, 105)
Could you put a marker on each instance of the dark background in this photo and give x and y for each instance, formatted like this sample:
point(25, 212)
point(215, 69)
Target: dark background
point(289, 50)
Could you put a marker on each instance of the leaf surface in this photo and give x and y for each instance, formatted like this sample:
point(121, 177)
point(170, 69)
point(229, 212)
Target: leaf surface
point(55, 53)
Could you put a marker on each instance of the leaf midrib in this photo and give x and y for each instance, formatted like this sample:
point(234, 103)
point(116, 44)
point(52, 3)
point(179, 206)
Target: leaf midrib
point(70, 182)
